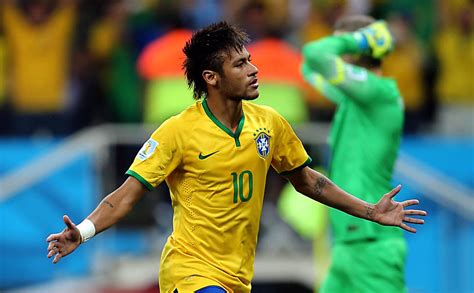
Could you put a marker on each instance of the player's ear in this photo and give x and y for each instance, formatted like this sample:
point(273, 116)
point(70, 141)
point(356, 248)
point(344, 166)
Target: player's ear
point(210, 77)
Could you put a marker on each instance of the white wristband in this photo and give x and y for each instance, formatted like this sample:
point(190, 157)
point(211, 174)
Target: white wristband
point(86, 229)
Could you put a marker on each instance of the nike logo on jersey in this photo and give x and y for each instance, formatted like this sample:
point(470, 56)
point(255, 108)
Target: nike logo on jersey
point(202, 157)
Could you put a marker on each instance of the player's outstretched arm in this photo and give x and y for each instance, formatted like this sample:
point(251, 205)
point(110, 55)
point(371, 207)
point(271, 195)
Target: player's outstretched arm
point(386, 212)
point(109, 211)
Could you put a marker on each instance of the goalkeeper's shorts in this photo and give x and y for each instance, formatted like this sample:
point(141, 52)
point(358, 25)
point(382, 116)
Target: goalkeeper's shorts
point(367, 266)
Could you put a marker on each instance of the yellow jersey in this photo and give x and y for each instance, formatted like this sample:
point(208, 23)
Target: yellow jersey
point(39, 56)
point(217, 181)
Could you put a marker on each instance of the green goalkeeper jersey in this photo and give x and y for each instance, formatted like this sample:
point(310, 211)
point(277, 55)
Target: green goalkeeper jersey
point(365, 132)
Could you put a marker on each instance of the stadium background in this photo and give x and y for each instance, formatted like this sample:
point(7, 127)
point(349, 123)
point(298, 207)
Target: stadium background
point(83, 83)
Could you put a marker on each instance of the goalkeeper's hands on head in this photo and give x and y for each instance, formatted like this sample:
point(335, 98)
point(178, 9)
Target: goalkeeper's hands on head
point(375, 39)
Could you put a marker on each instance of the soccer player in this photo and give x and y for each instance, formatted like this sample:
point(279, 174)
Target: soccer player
point(214, 156)
point(364, 139)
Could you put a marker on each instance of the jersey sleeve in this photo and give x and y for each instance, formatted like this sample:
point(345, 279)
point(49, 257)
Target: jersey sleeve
point(289, 153)
point(158, 157)
point(357, 83)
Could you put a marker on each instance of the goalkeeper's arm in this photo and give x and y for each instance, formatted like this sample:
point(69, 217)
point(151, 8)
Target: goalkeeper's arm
point(323, 57)
point(319, 83)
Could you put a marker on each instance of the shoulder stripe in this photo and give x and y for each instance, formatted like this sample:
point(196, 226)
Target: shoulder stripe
point(339, 75)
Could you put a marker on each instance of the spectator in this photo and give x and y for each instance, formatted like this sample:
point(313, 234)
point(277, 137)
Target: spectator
point(3, 80)
point(455, 47)
point(160, 64)
point(318, 25)
point(113, 56)
point(282, 84)
point(199, 13)
point(38, 35)
point(2, 69)
point(261, 17)
point(405, 65)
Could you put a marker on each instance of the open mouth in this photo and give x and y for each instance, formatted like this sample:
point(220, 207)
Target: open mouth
point(254, 83)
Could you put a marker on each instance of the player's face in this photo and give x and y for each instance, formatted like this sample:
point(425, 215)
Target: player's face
point(239, 81)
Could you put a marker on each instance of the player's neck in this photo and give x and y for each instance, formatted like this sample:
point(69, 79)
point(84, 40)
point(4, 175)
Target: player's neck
point(228, 112)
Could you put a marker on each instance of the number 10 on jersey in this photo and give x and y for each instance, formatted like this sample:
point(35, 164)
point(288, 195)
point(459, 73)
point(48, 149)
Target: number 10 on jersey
point(239, 180)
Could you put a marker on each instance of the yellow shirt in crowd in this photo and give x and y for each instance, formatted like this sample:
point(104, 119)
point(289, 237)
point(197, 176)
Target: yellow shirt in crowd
point(39, 55)
point(456, 56)
point(3, 78)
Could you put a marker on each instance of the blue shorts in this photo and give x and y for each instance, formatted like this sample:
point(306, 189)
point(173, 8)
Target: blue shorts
point(208, 289)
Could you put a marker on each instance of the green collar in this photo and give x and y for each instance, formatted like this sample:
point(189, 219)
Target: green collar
point(222, 126)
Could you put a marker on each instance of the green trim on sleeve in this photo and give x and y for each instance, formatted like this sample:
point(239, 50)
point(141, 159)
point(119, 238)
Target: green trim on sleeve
point(139, 178)
point(307, 163)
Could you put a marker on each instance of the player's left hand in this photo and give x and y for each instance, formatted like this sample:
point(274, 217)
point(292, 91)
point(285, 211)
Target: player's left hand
point(391, 213)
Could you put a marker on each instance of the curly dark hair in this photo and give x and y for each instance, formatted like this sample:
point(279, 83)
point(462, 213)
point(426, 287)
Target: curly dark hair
point(205, 51)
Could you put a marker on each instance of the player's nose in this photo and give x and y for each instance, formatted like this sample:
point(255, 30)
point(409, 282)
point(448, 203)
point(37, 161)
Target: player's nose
point(253, 69)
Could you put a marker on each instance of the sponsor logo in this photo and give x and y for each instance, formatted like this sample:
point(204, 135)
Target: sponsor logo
point(202, 157)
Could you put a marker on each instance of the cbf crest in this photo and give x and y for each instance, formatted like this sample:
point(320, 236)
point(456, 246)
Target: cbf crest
point(262, 141)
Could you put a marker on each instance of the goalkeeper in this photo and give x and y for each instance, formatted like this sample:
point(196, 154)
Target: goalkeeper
point(364, 140)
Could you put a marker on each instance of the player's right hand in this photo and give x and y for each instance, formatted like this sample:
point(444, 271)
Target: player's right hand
point(65, 242)
point(375, 38)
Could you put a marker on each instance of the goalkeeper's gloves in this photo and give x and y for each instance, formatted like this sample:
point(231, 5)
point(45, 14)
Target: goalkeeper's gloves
point(375, 39)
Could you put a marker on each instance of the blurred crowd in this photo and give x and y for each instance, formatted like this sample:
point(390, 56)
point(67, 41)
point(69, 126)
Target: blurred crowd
point(69, 64)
